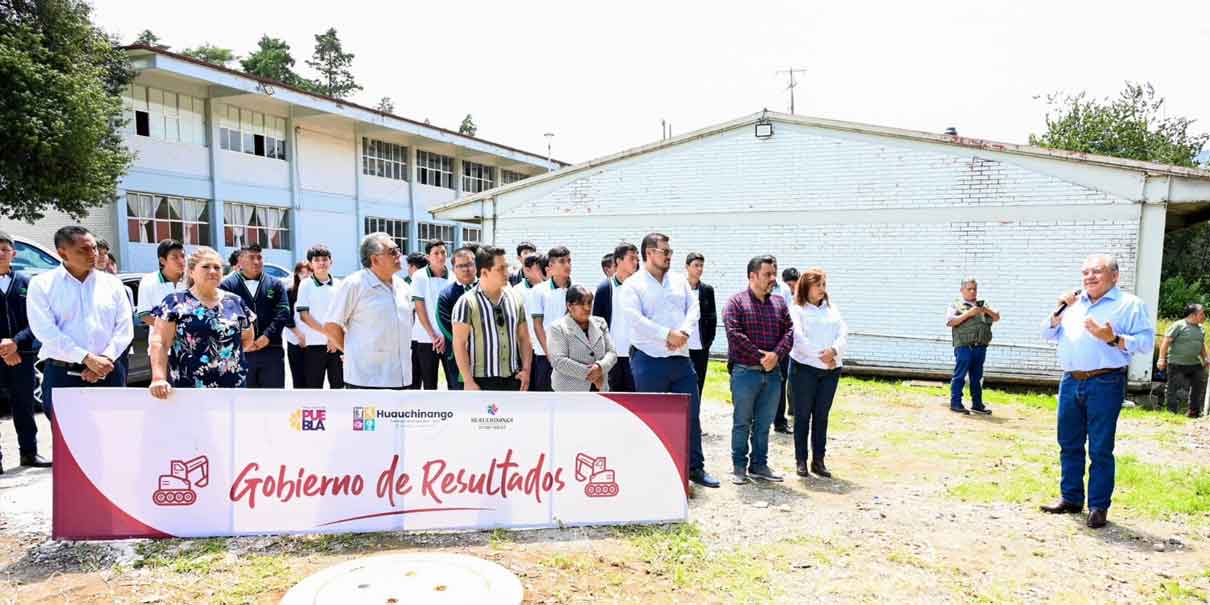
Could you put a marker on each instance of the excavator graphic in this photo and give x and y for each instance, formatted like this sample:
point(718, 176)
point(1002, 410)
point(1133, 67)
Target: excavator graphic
point(176, 488)
point(600, 479)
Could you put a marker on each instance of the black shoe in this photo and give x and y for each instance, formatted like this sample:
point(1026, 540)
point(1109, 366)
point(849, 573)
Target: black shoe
point(764, 473)
point(1062, 507)
point(35, 461)
point(981, 410)
point(1, 467)
point(817, 467)
point(739, 476)
point(802, 469)
point(1097, 518)
point(703, 479)
point(960, 410)
point(785, 430)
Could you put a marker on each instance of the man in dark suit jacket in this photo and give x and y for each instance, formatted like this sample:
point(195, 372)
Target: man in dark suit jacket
point(266, 296)
point(626, 264)
point(699, 343)
point(18, 350)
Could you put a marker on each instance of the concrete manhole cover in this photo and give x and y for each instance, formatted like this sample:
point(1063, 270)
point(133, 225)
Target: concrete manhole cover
point(406, 579)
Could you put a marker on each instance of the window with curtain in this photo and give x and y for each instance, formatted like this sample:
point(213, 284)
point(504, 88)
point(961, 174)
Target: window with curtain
point(268, 226)
point(151, 218)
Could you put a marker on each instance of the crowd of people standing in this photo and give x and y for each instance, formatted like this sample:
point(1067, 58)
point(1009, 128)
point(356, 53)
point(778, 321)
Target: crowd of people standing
point(644, 328)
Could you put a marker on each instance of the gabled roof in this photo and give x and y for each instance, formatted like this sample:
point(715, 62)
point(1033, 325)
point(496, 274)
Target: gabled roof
point(1150, 168)
point(345, 102)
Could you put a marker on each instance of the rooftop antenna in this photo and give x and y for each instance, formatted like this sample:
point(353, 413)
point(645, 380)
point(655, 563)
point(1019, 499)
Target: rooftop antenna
point(793, 82)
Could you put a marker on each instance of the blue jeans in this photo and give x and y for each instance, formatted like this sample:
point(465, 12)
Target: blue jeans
point(812, 390)
point(672, 375)
point(54, 377)
point(1088, 410)
point(968, 360)
point(754, 394)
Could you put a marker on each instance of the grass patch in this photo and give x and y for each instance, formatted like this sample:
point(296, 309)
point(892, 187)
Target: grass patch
point(256, 576)
point(718, 383)
point(678, 553)
point(183, 556)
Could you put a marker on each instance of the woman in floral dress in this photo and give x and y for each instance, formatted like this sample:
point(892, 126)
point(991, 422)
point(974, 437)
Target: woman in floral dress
point(200, 334)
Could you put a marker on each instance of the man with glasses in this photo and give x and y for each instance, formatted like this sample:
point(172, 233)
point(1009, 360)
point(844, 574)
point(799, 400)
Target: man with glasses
point(662, 312)
point(491, 340)
point(370, 319)
point(626, 264)
point(464, 279)
point(1097, 329)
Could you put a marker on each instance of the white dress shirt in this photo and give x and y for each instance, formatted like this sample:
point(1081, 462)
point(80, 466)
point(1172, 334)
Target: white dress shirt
point(427, 287)
point(619, 328)
point(377, 320)
point(655, 308)
point(695, 337)
point(315, 298)
point(73, 318)
point(5, 281)
point(817, 329)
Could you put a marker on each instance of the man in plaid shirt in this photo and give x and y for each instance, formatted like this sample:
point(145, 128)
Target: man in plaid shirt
point(759, 335)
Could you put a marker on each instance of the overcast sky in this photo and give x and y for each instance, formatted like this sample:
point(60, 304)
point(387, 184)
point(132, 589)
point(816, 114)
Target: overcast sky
point(602, 75)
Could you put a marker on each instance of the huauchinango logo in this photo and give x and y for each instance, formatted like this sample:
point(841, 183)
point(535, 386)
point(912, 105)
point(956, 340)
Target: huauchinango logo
point(496, 420)
point(369, 418)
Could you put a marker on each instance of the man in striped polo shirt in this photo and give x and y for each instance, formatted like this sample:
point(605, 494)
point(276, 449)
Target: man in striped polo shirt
point(491, 338)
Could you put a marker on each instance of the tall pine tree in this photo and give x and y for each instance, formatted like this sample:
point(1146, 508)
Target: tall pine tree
point(335, 79)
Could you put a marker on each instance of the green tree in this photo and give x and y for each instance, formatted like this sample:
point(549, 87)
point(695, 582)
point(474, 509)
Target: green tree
point(211, 54)
point(468, 127)
point(60, 110)
point(147, 38)
point(386, 105)
point(272, 60)
point(1134, 126)
point(332, 63)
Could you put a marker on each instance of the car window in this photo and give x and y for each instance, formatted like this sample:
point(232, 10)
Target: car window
point(29, 257)
point(277, 272)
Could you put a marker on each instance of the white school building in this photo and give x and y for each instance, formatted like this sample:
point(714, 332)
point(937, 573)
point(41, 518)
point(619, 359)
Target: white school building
point(896, 217)
point(225, 158)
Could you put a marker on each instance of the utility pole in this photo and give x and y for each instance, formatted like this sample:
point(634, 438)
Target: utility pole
point(793, 83)
point(549, 165)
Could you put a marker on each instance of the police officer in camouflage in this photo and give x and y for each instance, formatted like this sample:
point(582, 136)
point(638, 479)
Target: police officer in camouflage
point(970, 320)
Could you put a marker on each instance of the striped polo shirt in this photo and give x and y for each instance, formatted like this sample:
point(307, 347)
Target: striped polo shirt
point(493, 341)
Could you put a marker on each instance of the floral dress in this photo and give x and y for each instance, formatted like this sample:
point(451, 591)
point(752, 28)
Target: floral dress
point(208, 351)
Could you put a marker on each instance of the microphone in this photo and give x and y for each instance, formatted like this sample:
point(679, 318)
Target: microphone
point(1063, 305)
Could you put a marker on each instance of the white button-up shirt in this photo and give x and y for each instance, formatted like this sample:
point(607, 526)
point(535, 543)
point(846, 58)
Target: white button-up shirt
point(315, 298)
point(377, 320)
point(655, 308)
point(528, 295)
point(817, 329)
point(73, 318)
point(153, 288)
point(619, 328)
point(550, 303)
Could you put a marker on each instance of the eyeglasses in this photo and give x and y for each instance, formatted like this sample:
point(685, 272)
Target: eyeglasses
point(393, 251)
point(665, 251)
point(465, 266)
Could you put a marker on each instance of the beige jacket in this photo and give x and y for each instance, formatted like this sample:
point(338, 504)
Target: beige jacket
point(571, 352)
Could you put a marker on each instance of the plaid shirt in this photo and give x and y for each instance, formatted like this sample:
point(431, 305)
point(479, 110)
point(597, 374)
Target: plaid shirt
point(754, 325)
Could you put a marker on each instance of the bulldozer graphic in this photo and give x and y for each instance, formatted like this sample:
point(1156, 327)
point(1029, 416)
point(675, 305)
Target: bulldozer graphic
point(600, 479)
point(176, 488)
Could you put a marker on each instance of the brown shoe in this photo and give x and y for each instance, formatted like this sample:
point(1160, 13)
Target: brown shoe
point(802, 469)
point(1097, 518)
point(1062, 507)
point(818, 468)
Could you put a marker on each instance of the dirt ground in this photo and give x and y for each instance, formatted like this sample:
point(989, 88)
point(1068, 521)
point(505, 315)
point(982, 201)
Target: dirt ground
point(925, 507)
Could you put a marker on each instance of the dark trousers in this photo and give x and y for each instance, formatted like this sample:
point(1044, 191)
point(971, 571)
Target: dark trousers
point(19, 381)
point(318, 362)
point(672, 375)
point(453, 378)
point(415, 386)
point(813, 390)
point(1088, 411)
point(968, 360)
point(1182, 379)
point(701, 362)
point(539, 375)
point(54, 377)
point(294, 359)
point(498, 384)
point(353, 386)
point(425, 364)
point(620, 378)
point(783, 397)
point(266, 369)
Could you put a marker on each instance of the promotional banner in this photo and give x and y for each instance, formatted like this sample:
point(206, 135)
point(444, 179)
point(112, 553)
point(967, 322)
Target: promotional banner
point(224, 462)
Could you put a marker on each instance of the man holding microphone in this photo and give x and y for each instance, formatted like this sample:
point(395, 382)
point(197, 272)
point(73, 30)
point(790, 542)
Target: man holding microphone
point(1097, 330)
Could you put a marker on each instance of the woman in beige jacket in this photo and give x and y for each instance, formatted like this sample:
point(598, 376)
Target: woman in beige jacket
point(579, 347)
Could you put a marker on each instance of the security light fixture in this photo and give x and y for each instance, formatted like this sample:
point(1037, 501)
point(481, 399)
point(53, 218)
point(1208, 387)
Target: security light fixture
point(764, 126)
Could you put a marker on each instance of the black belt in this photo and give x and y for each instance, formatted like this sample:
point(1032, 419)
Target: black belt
point(71, 367)
point(1094, 373)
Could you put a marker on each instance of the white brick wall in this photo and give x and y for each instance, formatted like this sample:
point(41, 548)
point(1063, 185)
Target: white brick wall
point(896, 224)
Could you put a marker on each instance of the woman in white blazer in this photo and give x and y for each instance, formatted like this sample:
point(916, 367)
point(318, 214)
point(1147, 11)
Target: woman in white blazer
point(579, 347)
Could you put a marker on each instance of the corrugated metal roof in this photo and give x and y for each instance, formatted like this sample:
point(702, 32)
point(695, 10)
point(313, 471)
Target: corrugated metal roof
point(853, 127)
